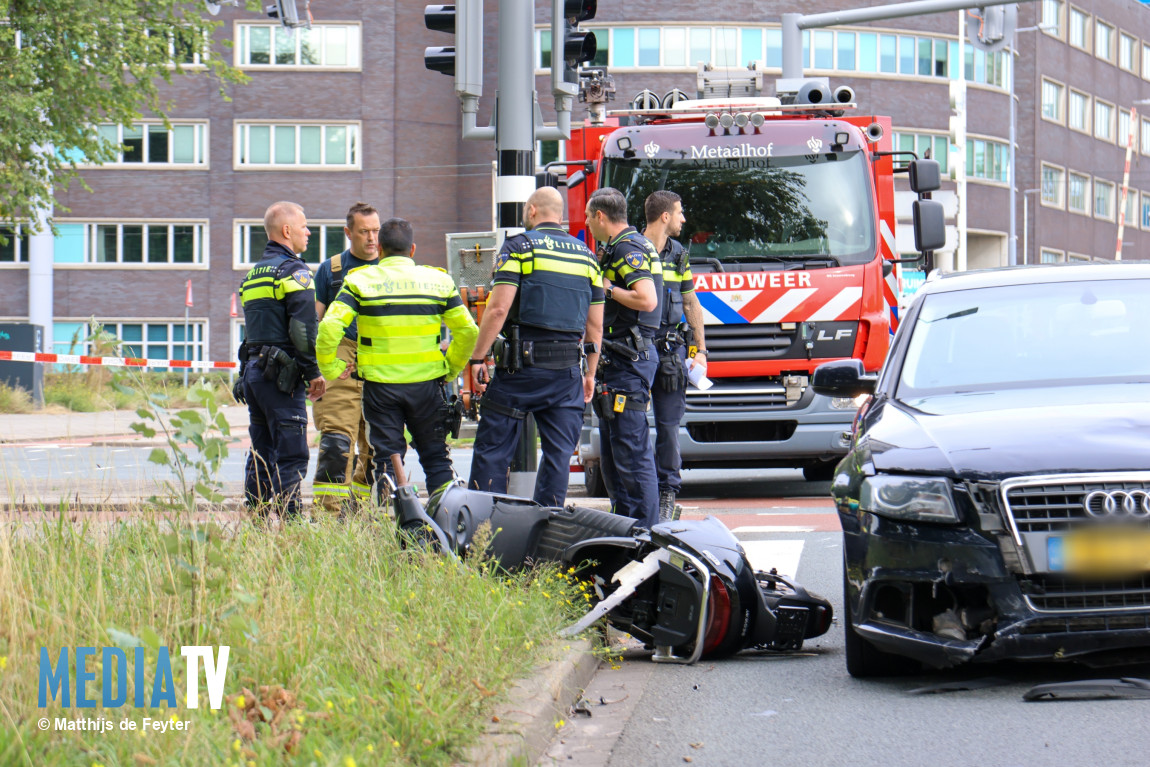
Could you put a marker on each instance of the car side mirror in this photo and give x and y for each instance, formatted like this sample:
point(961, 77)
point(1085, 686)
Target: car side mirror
point(843, 378)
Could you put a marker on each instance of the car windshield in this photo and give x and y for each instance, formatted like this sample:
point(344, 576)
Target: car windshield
point(1021, 336)
point(761, 209)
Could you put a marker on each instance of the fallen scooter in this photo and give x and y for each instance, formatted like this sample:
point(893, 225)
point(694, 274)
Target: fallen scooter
point(684, 588)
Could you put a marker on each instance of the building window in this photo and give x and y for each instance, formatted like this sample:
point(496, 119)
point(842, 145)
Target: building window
point(1104, 121)
point(328, 146)
point(1052, 94)
point(163, 340)
point(1078, 111)
point(1079, 29)
point(549, 151)
point(1053, 182)
point(15, 248)
point(152, 144)
point(180, 244)
point(1146, 210)
point(1131, 207)
point(1103, 199)
point(752, 46)
point(330, 46)
point(1048, 256)
point(922, 143)
point(1052, 17)
point(1078, 193)
point(327, 240)
point(989, 160)
point(1104, 41)
point(1128, 52)
point(1077, 257)
point(1124, 136)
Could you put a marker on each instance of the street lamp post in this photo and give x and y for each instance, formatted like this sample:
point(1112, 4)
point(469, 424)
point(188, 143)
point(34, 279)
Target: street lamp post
point(1026, 223)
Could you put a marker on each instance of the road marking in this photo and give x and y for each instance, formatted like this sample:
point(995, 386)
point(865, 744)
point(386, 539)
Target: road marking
point(772, 529)
point(781, 555)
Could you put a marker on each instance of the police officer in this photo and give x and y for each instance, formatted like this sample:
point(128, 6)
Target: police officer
point(664, 211)
point(632, 286)
point(279, 348)
point(547, 300)
point(340, 477)
point(401, 306)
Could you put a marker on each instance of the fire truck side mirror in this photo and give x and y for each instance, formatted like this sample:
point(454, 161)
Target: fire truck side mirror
point(929, 225)
point(924, 176)
point(575, 178)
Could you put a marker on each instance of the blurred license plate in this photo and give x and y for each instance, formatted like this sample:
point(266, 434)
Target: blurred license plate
point(1106, 551)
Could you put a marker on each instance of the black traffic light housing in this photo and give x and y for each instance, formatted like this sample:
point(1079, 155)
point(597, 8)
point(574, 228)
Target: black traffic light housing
point(570, 46)
point(440, 18)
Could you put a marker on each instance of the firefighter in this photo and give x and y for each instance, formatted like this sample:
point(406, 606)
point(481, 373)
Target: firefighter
point(279, 355)
point(401, 307)
point(342, 478)
point(547, 300)
point(632, 287)
point(680, 333)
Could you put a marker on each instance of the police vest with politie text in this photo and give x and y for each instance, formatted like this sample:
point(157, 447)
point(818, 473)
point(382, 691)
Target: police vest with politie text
point(279, 314)
point(626, 253)
point(558, 280)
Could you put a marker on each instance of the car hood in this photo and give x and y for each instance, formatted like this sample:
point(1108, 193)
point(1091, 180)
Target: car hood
point(990, 436)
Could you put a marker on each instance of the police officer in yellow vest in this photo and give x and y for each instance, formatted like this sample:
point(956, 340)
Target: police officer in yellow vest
point(342, 477)
point(547, 300)
point(400, 308)
point(279, 356)
point(679, 341)
point(633, 287)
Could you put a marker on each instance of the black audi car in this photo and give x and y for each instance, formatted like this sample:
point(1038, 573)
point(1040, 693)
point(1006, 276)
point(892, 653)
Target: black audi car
point(995, 502)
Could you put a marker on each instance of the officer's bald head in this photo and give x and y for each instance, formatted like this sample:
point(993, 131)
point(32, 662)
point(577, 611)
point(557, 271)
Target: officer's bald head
point(544, 204)
point(285, 223)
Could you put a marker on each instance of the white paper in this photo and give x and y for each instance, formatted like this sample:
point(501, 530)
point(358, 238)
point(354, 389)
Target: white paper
point(698, 380)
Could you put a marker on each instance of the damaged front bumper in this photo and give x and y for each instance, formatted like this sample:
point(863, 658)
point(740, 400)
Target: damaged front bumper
point(945, 596)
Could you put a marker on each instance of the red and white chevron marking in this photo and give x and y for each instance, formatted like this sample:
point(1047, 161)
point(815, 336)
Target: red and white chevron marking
point(131, 362)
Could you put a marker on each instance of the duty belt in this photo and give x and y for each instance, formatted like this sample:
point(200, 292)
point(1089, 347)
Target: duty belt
point(632, 344)
point(548, 355)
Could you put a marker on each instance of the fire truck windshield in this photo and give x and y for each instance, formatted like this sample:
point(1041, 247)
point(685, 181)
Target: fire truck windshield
point(816, 208)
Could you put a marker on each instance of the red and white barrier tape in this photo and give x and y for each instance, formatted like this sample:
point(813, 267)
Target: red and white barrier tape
point(132, 362)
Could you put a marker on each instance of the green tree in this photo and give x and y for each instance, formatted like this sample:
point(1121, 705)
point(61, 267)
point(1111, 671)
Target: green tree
point(66, 65)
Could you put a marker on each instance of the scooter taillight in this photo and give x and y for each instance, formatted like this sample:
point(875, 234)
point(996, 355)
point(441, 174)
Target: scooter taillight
point(718, 615)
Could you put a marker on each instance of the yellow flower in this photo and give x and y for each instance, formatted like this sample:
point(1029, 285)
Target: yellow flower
point(3, 662)
point(370, 749)
point(329, 705)
point(419, 686)
point(236, 744)
point(318, 754)
point(239, 701)
point(520, 603)
point(546, 595)
point(173, 718)
point(395, 744)
point(559, 723)
point(348, 762)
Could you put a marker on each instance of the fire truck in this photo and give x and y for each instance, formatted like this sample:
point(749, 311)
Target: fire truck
point(789, 202)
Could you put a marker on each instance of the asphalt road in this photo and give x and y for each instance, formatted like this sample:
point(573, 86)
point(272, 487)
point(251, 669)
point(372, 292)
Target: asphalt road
point(805, 710)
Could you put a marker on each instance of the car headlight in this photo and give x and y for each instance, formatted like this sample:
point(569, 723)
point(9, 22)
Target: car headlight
point(919, 499)
point(848, 403)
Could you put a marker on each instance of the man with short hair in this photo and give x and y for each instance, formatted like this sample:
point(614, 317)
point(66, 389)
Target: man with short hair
point(401, 307)
point(342, 479)
point(632, 286)
point(547, 301)
point(279, 346)
point(680, 321)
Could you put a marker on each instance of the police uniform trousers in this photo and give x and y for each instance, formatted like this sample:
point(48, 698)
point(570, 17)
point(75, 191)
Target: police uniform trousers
point(669, 407)
point(555, 399)
point(342, 477)
point(625, 441)
point(422, 407)
point(277, 461)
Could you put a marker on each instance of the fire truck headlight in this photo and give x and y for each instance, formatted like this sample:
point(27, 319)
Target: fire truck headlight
point(711, 121)
point(726, 119)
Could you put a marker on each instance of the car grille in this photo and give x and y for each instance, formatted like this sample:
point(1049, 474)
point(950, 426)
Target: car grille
point(737, 394)
point(734, 343)
point(1058, 506)
point(1055, 593)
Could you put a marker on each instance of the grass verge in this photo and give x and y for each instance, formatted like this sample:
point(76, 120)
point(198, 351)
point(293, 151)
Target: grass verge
point(345, 648)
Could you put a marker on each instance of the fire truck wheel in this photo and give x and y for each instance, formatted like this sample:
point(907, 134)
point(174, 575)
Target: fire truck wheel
point(593, 478)
point(820, 471)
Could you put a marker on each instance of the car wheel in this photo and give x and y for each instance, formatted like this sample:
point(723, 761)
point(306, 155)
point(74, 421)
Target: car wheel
point(822, 471)
point(593, 479)
point(863, 659)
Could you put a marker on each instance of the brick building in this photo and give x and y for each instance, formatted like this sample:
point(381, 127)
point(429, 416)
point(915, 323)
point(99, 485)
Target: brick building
point(346, 111)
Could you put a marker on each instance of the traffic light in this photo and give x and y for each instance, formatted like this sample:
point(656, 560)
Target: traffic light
point(288, 13)
point(570, 46)
point(991, 29)
point(464, 60)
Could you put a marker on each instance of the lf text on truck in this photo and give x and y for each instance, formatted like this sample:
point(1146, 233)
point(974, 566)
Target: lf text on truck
point(789, 202)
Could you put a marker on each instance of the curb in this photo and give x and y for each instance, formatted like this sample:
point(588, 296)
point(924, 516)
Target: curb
point(523, 727)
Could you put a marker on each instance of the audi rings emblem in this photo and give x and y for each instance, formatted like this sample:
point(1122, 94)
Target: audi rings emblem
point(1116, 503)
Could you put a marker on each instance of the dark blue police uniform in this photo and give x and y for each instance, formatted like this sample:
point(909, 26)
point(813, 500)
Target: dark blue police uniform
point(669, 393)
point(627, 370)
point(558, 279)
point(279, 313)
